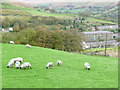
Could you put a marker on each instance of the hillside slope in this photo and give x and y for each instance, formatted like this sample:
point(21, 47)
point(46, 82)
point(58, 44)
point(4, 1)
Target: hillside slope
point(103, 73)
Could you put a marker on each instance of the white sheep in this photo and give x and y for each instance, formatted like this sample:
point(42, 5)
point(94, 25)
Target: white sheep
point(59, 62)
point(26, 64)
point(10, 64)
point(17, 59)
point(28, 46)
point(17, 64)
point(50, 64)
point(11, 42)
point(13, 61)
point(87, 65)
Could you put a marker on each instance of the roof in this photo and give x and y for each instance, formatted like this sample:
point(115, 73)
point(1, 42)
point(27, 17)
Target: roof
point(97, 32)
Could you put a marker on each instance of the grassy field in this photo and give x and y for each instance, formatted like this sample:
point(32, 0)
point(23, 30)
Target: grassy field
point(103, 73)
point(100, 21)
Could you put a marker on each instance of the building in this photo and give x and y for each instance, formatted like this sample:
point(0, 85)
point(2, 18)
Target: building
point(108, 27)
point(98, 36)
point(98, 39)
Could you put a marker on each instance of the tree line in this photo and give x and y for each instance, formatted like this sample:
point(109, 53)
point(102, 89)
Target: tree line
point(69, 40)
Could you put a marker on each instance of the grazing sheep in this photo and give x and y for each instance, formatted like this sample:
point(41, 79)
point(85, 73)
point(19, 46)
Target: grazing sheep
point(59, 62)
point(28, 46)
point(50, 64)
point(26, 64)
point(87, 65)
point(10, 64)
point(13, 61)
point(17, 59)
point(11, 42)
point(17, 64)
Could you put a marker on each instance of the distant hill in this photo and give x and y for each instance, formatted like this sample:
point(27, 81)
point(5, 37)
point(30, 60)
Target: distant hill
point(106, 10)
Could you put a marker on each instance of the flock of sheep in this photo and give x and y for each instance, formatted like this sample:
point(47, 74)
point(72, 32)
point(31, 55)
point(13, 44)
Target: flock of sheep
point(18, 62)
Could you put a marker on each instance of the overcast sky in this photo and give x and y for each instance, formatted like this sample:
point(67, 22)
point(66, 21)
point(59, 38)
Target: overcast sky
point(43, 1)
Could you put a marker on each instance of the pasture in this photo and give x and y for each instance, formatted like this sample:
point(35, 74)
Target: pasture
point(71, 74)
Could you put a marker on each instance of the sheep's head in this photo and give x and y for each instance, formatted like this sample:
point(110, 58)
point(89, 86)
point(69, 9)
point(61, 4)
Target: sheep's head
point(7, 66)
point(47, 67)
point(88, 68)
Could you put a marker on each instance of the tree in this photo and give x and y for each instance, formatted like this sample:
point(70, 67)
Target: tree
point(16, 27)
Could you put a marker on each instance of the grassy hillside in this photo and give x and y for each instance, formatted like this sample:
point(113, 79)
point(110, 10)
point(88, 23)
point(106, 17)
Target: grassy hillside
point(32, 12)
point(13, 10)
point(103, 73)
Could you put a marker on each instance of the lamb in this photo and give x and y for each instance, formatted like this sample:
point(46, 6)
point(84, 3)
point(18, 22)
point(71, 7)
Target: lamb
point(17, 64)
point(59, 62)
point(50, 64)
point(26, 64)
point(11, 42)
point(10, 64)
point(28, 46)
point(87, 65)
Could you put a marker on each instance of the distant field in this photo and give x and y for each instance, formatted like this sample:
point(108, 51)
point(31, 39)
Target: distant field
point(100, 21)
point(103, 73)
point(35, 12)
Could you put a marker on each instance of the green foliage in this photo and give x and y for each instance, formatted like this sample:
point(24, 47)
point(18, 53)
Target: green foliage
point(6, 23)
point(60, 40)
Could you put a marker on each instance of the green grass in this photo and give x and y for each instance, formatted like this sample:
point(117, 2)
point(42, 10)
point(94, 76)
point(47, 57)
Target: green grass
point(100, 21)
point(35, 12)
point(100, 49)
point(103, 73)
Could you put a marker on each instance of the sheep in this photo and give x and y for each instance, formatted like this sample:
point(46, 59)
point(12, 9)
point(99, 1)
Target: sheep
point(17, 64)
point(28, 46)
point(50, 64)
point(11, 42)
point(59, 62)
point(26, 64)
point(17, 59)
point(87, 65)
point(13, 61)
point(10, 64)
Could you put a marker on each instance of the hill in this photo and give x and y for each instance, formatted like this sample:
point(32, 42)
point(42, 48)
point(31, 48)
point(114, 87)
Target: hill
point(100, 10)
point(12, 10)
point(103, 73)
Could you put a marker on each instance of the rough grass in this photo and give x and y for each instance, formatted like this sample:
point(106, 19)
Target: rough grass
point(103, 73)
